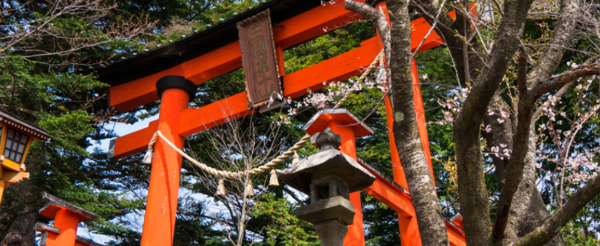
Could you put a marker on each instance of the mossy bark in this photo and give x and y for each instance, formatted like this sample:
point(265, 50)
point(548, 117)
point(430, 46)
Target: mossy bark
point(410, 150)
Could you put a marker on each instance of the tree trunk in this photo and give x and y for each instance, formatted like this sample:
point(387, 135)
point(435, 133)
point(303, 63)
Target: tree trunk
point(420, 182)
point(536, 215)
point(24, 224)
point(529, 206)
point(528, 210)
point(500, 134)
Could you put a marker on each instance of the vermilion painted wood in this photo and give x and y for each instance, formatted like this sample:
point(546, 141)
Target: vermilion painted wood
point(313, 23)
point(280, 60)
point(356, 231)
point(409, 231)
point(391, 196)
point(194, 120)
point(290, 32)
point(458, 221)
point(142, 91)
point(225, 59)
point(51, 239)
point(456, 238)
point(401, 202)
point(161, 206)
point(295, 30)
point(67, 221)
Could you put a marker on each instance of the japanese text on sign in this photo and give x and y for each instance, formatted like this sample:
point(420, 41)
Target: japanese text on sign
point(258, 59)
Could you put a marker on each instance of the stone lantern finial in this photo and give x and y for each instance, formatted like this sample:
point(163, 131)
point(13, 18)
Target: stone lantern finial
point(328, 140)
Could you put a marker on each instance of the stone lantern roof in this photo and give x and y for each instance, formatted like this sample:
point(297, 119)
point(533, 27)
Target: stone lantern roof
point(328, 161)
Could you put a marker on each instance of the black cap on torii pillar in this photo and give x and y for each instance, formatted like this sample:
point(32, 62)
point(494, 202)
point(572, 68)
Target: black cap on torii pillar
point(174, 81)
point(175, 93)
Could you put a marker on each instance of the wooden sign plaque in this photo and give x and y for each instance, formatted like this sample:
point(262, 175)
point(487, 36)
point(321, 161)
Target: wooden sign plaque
point(258, 59)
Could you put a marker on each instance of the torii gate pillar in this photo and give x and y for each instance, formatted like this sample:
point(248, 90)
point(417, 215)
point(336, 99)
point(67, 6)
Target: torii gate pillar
point(175, 93)
point(136, 89)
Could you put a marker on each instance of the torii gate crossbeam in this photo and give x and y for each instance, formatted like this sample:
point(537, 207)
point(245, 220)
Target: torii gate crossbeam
point(295, 30)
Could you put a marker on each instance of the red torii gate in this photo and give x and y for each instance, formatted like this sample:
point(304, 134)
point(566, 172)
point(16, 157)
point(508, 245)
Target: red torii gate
point(134, 83)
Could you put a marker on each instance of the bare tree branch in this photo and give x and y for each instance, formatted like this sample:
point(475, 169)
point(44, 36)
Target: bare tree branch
point(562, 35)
point(561, 217)
point(474, 197)
point(25, 33)
point(240, 145)
point(378, 18)
point(557, 82)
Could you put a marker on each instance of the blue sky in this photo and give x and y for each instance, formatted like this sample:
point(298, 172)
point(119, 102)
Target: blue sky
point(121, 129)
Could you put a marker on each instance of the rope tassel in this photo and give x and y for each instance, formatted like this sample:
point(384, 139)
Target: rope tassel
point(250, 189)
point(221, 189)
point(273, 181)
point(148, 157)
point(296, 158)
point(150, 153)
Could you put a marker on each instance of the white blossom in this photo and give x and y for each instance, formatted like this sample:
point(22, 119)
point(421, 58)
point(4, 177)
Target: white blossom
point(292, 111)
point(506, 153)
point(487, 128)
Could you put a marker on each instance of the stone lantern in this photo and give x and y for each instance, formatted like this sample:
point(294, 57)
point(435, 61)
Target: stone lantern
point(328, 177)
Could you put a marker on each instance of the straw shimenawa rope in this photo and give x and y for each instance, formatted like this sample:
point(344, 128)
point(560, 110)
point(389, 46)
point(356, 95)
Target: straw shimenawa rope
point(272, 163)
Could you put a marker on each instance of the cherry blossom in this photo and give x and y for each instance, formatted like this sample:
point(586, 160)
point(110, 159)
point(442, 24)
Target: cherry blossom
point(574, 165)
point(335, 90)
point(501, 151)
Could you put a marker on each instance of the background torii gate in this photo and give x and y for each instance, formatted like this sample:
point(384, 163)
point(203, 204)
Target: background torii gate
point(215, 51)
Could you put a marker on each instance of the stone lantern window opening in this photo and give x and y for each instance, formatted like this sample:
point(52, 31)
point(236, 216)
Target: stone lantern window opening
point(328, 187)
